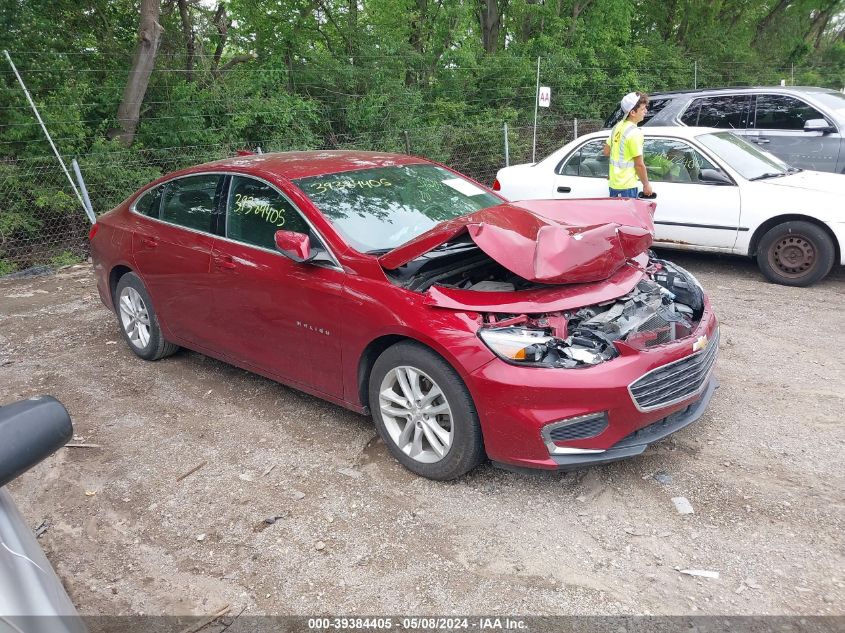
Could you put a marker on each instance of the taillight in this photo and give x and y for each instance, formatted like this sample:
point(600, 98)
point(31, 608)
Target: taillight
point(93, 231)
point(497, 186)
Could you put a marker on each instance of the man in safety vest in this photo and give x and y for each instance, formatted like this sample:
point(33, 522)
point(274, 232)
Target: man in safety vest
point(624, 148)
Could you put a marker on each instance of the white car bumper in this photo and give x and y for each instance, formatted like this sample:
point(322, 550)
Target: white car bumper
point(838, 229)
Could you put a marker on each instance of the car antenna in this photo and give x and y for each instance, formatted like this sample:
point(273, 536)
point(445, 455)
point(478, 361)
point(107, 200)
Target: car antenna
point(83, 198)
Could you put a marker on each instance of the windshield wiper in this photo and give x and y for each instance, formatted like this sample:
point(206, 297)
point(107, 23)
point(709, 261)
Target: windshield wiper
point(794, 170)
point(452, 246)
point(769, 174)
point(379, 251)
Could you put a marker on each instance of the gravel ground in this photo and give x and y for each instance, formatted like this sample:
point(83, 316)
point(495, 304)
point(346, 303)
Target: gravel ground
point(356, 533)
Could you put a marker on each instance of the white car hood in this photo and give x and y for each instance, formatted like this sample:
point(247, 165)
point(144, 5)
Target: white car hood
point(812, 181)
point(811, 193)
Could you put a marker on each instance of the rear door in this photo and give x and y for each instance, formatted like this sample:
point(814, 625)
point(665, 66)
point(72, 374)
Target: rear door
point(273, 314)
point(778, 127)
point(582, 174)
point(172, 253)
point(727, 112)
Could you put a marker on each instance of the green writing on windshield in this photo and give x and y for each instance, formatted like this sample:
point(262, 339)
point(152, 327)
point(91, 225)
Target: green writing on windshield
point(347, 184)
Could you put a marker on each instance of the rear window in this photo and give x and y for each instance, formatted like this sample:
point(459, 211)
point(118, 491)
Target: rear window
point(149, 203)
point(379, 209)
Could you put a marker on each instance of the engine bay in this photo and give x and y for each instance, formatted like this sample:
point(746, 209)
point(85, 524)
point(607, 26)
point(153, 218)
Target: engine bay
point(664, 306)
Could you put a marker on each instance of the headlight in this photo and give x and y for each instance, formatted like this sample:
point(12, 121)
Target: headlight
point(516, 344)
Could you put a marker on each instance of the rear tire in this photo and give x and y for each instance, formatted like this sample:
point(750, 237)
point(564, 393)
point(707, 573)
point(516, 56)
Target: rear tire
point(795, 253)
point(138, 321)
point(424, 412)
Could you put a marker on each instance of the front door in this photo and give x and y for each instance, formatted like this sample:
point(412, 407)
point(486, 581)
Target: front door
point(779, 129)
point(690, 213)
point(273, 314)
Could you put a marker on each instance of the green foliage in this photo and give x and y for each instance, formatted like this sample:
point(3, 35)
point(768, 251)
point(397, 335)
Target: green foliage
point(7, 267)
point(65, 258)
point(358, 74)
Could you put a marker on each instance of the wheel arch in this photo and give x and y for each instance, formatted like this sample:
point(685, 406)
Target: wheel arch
point(377, 346)
point(114, 278)
point(761, 230)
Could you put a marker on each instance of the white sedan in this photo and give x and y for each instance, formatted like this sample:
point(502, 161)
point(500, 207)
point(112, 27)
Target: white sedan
point(715, 192)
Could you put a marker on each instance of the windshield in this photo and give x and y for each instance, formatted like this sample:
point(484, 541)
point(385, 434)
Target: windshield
point(833, 100)
point(750, 162)
point(376, 210)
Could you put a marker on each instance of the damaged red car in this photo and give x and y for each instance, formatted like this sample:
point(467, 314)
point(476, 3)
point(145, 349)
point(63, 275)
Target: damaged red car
point(542, 334)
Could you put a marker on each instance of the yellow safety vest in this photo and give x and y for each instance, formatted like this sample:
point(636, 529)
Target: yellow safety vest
point(626, 143)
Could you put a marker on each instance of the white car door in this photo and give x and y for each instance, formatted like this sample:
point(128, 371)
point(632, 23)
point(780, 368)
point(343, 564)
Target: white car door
point(582, 174)
point(690, 212)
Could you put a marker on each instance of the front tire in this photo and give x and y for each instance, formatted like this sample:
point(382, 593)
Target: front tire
point(795, 253)
point(138, 321)
point(424, 412)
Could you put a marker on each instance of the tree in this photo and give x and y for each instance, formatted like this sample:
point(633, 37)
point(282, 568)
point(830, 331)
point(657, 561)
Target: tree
point(149, 38)
point(490, 14)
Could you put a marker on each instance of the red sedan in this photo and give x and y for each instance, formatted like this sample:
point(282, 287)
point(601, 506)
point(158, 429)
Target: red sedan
point(542, 334)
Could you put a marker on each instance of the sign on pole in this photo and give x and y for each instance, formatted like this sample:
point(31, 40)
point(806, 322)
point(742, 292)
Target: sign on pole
point(544, 97)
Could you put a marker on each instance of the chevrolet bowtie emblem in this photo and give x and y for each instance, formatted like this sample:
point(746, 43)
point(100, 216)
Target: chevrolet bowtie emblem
point(700, 343)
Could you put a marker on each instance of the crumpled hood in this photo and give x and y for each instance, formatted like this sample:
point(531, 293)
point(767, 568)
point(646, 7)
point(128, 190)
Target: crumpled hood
point(547, 241)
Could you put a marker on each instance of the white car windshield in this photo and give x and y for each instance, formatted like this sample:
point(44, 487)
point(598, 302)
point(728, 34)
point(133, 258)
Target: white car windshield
point(750, 162)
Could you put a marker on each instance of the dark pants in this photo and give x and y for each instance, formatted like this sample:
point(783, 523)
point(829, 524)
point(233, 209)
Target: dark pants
point(633, 192)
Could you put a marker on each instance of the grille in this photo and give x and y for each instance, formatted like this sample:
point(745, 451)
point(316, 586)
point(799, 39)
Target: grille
point(579, 430)
point(675, 381)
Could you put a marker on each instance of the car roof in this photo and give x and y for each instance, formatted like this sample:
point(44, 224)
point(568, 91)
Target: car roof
point(293, 165)
point(735, 89)
point(669, 130)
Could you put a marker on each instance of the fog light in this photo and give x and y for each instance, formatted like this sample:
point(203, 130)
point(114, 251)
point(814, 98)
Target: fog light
point(577, 428)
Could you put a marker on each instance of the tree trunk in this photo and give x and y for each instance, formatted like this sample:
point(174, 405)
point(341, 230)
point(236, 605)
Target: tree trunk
point(352, 30)
point(149, 37)
point(221, 21)
point(188, 32)
point(820, 23)
point(577, 9)
point(766, 22)
point(490, 18)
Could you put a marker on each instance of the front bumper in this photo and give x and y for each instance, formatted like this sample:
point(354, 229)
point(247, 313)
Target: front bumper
point(556, 419)
point(838, 229)
point(641, 439)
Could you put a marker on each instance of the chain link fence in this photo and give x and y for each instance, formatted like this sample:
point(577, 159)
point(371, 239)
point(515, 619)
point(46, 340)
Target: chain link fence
point(42, 222)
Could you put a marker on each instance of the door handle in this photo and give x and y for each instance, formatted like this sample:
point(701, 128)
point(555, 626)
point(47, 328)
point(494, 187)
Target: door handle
point(150, 242)
point(564, 189)
point(225, 262)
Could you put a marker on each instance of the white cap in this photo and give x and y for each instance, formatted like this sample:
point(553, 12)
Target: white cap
point(629, 101)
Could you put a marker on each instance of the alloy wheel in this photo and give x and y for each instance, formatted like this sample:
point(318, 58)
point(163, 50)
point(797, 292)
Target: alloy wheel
point(416, 414)
point(134, 317)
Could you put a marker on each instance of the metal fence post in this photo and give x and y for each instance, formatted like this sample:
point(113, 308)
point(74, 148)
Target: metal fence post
point(575, 128)
point(536, 103)
point(407, 143)
point(507, 151)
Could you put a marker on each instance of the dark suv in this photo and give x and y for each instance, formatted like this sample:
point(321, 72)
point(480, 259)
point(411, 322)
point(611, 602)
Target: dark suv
point(803, 126)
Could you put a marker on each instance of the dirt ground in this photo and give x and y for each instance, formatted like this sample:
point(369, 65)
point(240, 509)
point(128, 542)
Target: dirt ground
point(357, 534)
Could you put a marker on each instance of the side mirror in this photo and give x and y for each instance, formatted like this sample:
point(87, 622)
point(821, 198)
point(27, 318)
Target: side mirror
point(30, 431)
point(817, 125)
point(294, 246)
point(714, 177)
